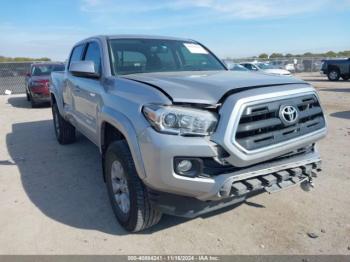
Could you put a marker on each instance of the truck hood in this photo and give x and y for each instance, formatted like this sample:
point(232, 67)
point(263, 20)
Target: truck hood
point(207, 87)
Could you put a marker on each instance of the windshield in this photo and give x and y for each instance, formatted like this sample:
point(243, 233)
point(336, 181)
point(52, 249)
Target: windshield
point(42, 70)
point(129, 56)
point(265, 66)
point(237, 67)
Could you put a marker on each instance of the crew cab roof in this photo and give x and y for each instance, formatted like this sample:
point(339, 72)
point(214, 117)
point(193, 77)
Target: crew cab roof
point(134, 36)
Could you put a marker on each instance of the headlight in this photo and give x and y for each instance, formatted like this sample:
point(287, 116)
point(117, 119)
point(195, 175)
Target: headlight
point(180, 120)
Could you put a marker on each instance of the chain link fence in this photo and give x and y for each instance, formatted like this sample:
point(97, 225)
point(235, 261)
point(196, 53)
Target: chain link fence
point(12, 76)
point(292, 64)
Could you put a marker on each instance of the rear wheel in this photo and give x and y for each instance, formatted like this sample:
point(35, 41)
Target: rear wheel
point(127, 193)
point(333, 75)
point(65, 131)
point(28, 96)
point(345, 78)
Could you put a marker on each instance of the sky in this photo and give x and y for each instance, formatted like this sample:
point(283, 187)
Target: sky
point(230, 28)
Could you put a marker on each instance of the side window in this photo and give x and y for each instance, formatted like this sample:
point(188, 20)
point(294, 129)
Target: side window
point(93, 54)
point(254, 68)
point(76, 54)
point(249, 66)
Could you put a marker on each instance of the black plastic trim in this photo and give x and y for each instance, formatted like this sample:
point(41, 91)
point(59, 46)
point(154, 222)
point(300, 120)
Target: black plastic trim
point(235, 91)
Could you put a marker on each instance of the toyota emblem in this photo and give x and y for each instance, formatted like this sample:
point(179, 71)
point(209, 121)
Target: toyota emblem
point(289, 115)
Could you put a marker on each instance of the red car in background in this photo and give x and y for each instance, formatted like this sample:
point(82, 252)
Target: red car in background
point(37, 82)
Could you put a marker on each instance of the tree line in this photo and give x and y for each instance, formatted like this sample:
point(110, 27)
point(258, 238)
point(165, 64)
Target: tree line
point(308, 54)
point(22, 59)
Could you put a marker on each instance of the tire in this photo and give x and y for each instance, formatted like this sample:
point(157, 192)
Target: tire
point(33, 103)
point(141, 213)
point(65, 131)
point(333, 75)
point(345, 78)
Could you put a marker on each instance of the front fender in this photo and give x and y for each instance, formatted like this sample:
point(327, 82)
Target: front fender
point(124, 125)
point(57, 93)
point(59, 100)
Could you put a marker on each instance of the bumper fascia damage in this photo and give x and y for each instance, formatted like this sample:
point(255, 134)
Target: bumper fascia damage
point(192, 196)
point(207, 193)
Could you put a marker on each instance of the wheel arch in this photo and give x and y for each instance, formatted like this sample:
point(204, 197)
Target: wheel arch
point(115, 126)
point(56, 99)
point(53, 99)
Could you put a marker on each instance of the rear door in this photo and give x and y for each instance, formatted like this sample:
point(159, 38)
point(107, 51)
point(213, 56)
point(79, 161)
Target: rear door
point(87, 94)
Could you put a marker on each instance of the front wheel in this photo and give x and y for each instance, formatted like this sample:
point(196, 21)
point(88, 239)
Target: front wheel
point(65, 131)
point(127, 193)
point(345, 78)
point(333, 75)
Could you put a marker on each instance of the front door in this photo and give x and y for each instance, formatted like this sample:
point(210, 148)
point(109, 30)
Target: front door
point(87, 95)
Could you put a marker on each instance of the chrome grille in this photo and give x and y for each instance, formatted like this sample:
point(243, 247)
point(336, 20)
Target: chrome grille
point(260, 125)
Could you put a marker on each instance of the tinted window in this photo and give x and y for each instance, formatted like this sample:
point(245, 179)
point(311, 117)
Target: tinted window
point(157, 55)
point(249, 66)
point(76, 54)
point(191, 60)
point(41, 70)
point(130, 61)
point(236, 67)
point(93, 54)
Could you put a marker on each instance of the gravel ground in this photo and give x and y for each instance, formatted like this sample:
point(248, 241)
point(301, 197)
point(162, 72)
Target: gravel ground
point(53, 199)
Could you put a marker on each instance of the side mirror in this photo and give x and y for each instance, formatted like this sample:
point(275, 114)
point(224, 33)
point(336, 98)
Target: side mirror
point(83, 69)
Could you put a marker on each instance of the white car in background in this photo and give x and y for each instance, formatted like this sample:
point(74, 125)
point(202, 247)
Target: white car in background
point(266, 68)
point(234, 66)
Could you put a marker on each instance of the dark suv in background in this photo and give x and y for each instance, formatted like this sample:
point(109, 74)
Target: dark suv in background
point(37, 82)
point(336, 68)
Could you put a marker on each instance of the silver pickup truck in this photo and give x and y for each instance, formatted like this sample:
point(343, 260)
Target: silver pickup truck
point(179, 133)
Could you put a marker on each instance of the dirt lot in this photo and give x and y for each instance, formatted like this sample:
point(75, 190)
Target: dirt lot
point(53, 199)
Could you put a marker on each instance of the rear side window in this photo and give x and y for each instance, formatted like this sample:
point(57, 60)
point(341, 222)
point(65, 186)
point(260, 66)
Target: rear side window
point(76, 54)
point(93, 54)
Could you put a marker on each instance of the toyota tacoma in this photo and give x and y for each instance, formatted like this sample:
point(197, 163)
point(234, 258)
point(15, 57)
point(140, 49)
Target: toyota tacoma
point(178, 132)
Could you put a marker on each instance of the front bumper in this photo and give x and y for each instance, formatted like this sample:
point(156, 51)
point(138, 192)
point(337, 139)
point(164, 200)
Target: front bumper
point(159, 150)
point(237, 192)
point(42, 98)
